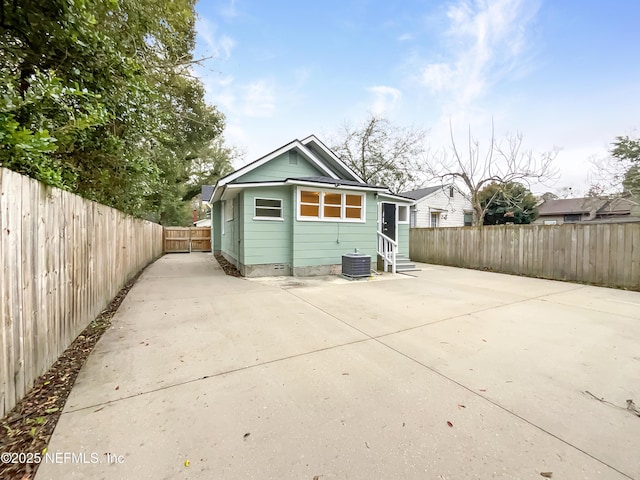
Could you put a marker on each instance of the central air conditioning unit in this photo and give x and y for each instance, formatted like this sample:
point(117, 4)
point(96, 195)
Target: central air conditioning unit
point(356, 265)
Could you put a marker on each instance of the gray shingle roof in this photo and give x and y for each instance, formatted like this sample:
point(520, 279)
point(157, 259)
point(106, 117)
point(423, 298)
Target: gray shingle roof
point(421, 192)
point(567, 206)
point(206, 191)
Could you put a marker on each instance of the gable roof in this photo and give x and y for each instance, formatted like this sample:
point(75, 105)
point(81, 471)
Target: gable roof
point(312, 150)
point(568, 206)
point(314, 144)
point(296, 144)
point(421, 192)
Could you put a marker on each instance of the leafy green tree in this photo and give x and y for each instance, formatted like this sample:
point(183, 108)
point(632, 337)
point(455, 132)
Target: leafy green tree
point(507, 203)
point(627, 152)
point(97, 97)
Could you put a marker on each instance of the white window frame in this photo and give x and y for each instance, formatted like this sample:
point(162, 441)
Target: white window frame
point(222, 222)
point(407, 217)
point(271, 219)
point(229, 206)
point(343, 206)
point(435, 215)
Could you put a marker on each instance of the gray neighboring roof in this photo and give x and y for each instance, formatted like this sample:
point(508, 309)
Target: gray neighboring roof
point(207, 192)
point(421, 192)
point(568, 206)
point(335, 181)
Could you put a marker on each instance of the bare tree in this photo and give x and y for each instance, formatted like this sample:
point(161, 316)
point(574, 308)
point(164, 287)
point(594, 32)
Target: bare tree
point(503, 162)
point(382, 153)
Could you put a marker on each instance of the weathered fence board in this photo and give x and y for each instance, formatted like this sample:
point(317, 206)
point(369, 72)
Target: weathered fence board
point(187, 239)
point(599, 254)
point(63, 259)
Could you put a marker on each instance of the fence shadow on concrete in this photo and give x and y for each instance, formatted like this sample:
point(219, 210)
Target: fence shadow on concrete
point(63, 258)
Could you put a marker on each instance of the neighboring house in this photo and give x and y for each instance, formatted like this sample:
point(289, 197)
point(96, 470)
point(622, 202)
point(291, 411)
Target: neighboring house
point(297, 210)
point(204, 222)
point(440, 206)
point(587, 210)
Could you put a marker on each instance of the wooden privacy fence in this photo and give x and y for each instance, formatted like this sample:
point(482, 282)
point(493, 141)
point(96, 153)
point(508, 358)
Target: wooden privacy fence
point(63, 259)
point(599, 254)
point(186, 239)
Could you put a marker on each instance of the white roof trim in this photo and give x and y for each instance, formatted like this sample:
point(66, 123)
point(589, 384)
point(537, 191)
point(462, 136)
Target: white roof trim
point(396, 197)
point(335, 186)
point(256, 184)
point(261, 161)
point(328, 151)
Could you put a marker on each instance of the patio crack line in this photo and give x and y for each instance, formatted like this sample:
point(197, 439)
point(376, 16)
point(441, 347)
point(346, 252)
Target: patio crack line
point(214, 375)
point(470, 390)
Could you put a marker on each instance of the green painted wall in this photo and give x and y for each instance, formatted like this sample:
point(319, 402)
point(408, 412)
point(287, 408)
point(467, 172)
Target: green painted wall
point(267, 241)
point(216, 234)
point(403, 239)
point(231, 232)
point(279, 168)
point(324, 243)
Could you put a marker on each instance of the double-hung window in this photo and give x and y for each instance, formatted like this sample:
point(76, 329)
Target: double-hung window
point(320, 205)
point(268, 209)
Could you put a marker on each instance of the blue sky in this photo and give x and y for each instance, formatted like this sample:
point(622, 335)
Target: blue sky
point(564, 73)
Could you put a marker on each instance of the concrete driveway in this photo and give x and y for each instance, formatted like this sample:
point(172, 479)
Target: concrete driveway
point(451, 374)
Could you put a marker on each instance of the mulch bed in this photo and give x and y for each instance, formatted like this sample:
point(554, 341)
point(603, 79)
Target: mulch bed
point(27, 428)
point(227, 267)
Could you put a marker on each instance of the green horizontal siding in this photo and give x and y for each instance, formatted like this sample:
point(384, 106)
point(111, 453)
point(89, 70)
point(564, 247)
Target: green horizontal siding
point(324, 243)
point(267, 241)
point(403, 239)
point(279, 168)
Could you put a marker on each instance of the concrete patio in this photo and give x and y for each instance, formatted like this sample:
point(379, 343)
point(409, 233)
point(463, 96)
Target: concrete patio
point(449, 374)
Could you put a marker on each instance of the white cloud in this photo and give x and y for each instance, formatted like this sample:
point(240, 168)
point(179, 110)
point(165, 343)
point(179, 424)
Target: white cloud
point(258, 99)
point(229, 11)
point(437, 76)
point(487, 41)
point(385, 98)
point(219, 46)
point(406, 37)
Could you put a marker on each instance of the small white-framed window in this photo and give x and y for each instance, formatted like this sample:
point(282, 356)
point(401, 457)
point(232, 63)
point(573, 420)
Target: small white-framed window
point(228, 209)
point(330, 205)
point(403, 214)
point(434, 220)
point(267, 209)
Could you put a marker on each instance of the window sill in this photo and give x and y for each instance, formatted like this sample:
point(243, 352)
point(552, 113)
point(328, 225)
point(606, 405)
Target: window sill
point(331, 220)
point(270, 219)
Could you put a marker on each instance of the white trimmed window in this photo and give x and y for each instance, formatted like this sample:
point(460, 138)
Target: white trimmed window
point(228, 209)
point(403, 214)
point(331, 206)
point(267, 209)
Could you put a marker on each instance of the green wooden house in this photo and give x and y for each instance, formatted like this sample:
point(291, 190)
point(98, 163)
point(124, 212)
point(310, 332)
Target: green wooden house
point(297, 210)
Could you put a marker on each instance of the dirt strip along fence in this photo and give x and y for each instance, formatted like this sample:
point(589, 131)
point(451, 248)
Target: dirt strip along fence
point(62, 260)
point(599, 254)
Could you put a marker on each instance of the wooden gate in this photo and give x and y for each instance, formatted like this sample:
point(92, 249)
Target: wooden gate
point(186, 239)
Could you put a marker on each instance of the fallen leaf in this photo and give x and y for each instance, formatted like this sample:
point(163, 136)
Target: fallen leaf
point(403, 424)
point(483, 340)
point(546, 474)
point(187, 463)
point(483, 390)
point(366, 444)
point(345, 373)
point(246, 435)
point(316, 477)
point(450, 424)
point(461, 406)
point(118, 387)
